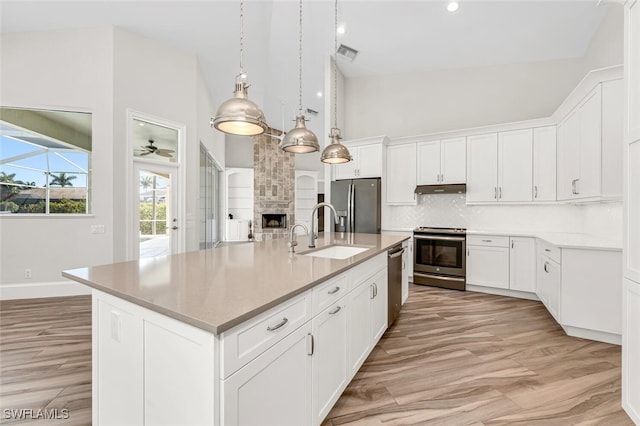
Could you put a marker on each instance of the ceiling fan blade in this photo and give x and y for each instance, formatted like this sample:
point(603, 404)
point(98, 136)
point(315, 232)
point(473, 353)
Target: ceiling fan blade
point(164, 154)
point(146, 153)
point(166, 151)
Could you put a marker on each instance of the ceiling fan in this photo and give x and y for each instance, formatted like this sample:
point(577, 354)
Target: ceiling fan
point(152, 149)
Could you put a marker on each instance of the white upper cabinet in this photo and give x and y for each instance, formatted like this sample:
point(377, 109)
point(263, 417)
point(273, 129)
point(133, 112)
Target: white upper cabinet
point(400, 175)
point(544, 164)
point(453, 160)
point(482, 168)
point(428, 163)
point(590, 146)
point(366, 163)
point(442, 162)
point(515, 165)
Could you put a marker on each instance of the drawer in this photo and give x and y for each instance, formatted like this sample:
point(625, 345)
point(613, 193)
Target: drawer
point(366, 270)
point(246, 341)
point(324, 295)
point(487, 240)
point(550, 251)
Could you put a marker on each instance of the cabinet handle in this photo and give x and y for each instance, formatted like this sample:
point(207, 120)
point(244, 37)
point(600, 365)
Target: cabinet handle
point(334, 290)
point(374, 291)
point(577, 190)
point(574, 187)
point(404, 266)
point(278, 325)
point(500, 192)
point(495, 192)
point(487, 241)
point(547, 250)
point(511, 244)
point(546, 267)
point(467, 252)
point(310, 344)
point(535, 191)
point(335, 311)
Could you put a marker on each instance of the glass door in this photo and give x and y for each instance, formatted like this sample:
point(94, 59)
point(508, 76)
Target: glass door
point(156, 210)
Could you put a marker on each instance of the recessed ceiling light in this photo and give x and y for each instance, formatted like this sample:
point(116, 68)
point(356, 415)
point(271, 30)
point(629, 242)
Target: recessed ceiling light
point(453, 6)
point(341, 29)
point(319, 94)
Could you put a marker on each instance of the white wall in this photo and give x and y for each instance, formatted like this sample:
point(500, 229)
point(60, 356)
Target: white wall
point(60, 70)
point(606, 46)
point(441, 100)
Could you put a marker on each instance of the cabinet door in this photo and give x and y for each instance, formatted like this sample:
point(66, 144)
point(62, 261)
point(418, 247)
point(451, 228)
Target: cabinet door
point(428, 164)
point(453, 160)
point(330, 375)
point(488, 266)
point(482, 168)
point(119, 360)
point(589, 182)
point(401, 174)
point(369, 161)
point(568, 156)
point(359, 333)
point(631, 349)
point(549, 291)
point(515, 165)
point(347, 170)
point(544, 164)
point(522, 264)
point(379, 306)
point(275, 388)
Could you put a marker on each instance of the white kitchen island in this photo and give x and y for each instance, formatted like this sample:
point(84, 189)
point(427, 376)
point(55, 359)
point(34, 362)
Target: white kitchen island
point(240, 335)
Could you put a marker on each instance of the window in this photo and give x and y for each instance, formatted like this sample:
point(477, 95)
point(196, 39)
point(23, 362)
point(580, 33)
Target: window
point(44, 161)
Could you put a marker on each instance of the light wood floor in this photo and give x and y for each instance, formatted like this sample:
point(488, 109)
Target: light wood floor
point(452, 358)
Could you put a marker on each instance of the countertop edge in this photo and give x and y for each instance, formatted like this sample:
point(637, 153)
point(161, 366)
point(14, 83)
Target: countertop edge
point(222, 327)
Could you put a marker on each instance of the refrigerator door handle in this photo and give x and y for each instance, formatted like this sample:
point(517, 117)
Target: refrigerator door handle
point(349, 208)
point(352, 213)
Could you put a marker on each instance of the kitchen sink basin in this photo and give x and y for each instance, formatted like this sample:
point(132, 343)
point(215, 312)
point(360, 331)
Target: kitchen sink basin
point(336, 252)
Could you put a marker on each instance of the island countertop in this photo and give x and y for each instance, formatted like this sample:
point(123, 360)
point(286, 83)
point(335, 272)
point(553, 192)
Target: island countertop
point(218, 288)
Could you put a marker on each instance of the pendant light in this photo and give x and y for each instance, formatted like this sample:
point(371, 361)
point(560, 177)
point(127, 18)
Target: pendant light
point(300, 140)
point(238, 115)
point(335, 152)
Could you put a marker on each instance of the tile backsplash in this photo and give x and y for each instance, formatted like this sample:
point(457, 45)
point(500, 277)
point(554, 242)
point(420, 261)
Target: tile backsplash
point(450, 210)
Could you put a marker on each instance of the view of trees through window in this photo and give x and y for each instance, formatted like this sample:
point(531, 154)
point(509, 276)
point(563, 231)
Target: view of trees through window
point(44, 162)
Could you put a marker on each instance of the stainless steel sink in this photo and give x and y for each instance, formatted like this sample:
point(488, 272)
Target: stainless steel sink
point(336, 251)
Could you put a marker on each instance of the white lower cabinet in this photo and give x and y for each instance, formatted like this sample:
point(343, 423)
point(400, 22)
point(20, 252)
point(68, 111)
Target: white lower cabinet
point(549, 286)
point(488, 261)
point(329, 360)
point(285, 366)
point(631, 349)
point(275, 388)
point(522, 264)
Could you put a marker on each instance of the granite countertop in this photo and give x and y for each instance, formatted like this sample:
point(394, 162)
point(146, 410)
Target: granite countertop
point(217, 288)
point(567, 240)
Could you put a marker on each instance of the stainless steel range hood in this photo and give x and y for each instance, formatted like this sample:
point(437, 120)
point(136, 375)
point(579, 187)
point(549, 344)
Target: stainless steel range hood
point(458, 188)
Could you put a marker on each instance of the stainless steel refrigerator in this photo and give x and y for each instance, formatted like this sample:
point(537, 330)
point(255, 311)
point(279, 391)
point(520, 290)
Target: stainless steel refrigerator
point(357, 202)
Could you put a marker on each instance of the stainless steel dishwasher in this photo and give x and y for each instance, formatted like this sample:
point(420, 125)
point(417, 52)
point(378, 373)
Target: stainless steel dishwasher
point(394, 281)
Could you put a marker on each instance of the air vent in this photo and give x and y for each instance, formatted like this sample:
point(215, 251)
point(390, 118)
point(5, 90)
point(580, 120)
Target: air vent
point(312, 112)
point(347, 52)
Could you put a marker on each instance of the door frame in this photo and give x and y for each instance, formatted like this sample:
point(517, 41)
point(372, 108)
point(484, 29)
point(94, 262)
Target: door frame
point(132, 190)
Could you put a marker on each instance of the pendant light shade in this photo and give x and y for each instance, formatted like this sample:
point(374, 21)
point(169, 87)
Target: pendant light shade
point(238, 115)
point(335, 152)
point(300, 140)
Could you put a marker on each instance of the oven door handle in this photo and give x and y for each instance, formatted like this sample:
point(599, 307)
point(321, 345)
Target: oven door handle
point(439, 238)
point(440, 277)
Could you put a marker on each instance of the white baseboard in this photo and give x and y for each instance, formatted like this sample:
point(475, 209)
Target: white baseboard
point(39, 290)
point(600, 336)
point(502, 292)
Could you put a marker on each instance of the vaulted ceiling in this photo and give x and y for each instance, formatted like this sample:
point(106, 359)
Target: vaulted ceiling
point(392, 36)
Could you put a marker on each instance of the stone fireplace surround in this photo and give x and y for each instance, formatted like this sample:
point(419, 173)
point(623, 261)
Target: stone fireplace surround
point(273, 184)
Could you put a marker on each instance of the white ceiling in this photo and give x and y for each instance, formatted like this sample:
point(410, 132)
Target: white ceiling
point(393, 36)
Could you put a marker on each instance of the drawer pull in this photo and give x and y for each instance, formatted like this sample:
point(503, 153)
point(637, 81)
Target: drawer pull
point(335, 311)
point(278, 325)
point(487, 241)
point(334, 290)
point(546, 267)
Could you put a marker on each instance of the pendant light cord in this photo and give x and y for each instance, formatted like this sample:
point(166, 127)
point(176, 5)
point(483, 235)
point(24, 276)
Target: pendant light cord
point(241, 35)
point(300, 61)
point(335, 69)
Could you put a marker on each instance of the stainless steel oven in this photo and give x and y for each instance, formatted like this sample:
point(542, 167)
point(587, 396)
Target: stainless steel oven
point(439, 257)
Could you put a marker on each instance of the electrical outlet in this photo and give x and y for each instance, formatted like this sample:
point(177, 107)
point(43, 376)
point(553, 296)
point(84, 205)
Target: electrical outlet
point(27, 274)
point(97, 229)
